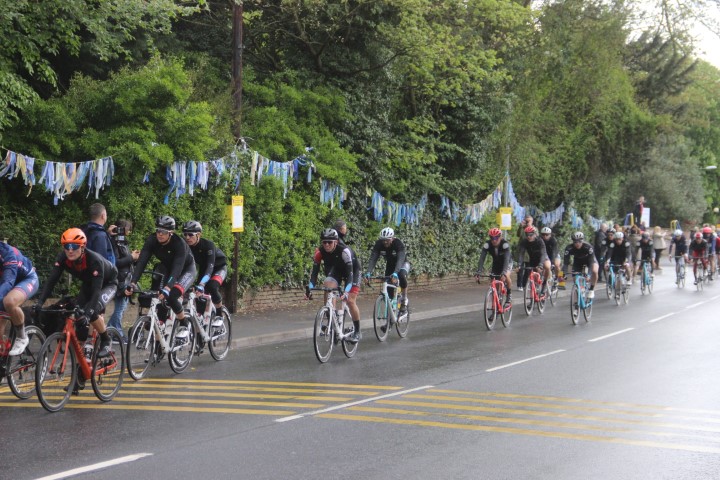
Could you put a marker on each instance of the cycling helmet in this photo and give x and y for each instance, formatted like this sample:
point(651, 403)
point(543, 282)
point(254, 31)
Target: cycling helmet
point(329, 234)
point(530, 230)
point(578, 236)
point(166, 222)
point(612, 230)
point(619, 235)
point(707, 230)
point(545, 231)
point(645, 236)
point(73, 235)
point(494, 233)
point(387, 233)
point(678, 233)
point(698, 235)
point(192, 226)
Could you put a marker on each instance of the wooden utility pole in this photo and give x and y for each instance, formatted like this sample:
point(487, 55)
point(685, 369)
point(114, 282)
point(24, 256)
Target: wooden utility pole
point(237, 79)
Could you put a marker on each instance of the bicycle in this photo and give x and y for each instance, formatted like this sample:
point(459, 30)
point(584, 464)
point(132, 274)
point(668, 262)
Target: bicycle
point(620, 286)
point(329, 329)
point(578, 298)
point(552, 286)
point(386, 311)
point(210, 329)
point(494, 299)
point(20, 369)
point(531, 295)
point(63, 362)
point(152, 336)
point(699, 279)
point(646, 278)
point(680, 272)
point(611, 279)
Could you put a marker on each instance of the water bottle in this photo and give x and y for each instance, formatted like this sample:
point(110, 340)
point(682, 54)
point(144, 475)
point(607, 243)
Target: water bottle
point(340, 314)
point(88, 351)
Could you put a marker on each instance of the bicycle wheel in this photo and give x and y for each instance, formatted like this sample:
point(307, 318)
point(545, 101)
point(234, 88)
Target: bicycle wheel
point(574, 305)
point(643, 280)
point(323, 335)
point(182, 345)
point(617, 289)
point(21, 368)
point(681, 281)
point(528, 299)
point(587, 311)
point(506, 315)
point(56, 373)
point(349, 348)
point(650, 283)
point(220, 335)
point(107, 373)
point(381, 320)
point(610, 285)
point(490, 312)
point(540, 304)
point(403, 323)
point(141, 347)
point(626, 291)
point(552, 290)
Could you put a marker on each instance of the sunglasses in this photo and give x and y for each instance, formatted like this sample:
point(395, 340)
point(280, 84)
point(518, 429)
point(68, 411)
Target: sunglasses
point(71, 246)
point(328, 242)
point(495, 238)
point(162, 231)
point(189, 235)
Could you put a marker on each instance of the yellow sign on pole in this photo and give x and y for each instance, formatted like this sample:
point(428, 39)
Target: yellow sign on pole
point(236, 213)
point(504, 218)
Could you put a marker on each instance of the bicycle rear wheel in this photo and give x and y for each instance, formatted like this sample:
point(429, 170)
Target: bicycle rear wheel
point(490, 312)
point(528, 299)
point(107, 373)
point(323, 335)
point(552, 290)
point(610, 285)
point(21, 368)
point(381, 320)
point(182, 349)
point(141, 348)
point(220, 335)
point(56, 373)
point(574, 305)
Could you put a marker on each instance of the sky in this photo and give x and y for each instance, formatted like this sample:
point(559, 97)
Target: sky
point(708, 46)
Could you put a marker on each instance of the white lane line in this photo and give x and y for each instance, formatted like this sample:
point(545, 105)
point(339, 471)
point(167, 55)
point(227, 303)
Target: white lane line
point(351, 404)
point(610, 335)
point(97, 466)
point(660, 318)
point(694, 305)
point(523, 361)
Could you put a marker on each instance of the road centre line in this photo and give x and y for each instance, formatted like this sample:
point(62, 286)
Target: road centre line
point(523, 361)
point(695, 305)
point(660, 318)
point(351, 404)
point(96, 466)
point(610, 335)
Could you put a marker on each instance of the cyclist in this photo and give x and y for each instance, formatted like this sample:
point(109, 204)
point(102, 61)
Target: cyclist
point(681, 249)
point(551, 247)
point(397, 265)
point(211, 261)
point(583, 256)
point(99, 284)
point(709, 236)
point(619, 254)
point(176, 264)
point(646, 250)
point(537, 256)
point(18, 282)
point(340, 264)
point(698, 250)
point(499, 250)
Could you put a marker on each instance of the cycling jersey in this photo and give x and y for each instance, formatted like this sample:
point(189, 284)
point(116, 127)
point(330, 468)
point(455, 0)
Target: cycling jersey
point(15, 268)
point(175, 258)
point(618, 254)
point(394, 254)
point(698, 250)
point(551, 247)
point(646, 250)
point(710, 239)
point(502, 258)
point(339, 265)
point(209, 259)
point(680, 245)
point(535, 250)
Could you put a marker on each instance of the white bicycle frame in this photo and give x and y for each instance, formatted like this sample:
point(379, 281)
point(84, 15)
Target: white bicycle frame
point(337, 323)
point(207, 316)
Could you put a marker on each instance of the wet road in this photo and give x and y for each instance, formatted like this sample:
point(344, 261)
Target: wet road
point(631, 394)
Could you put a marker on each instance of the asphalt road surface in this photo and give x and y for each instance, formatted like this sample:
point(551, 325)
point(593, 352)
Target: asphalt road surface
point(632, 394)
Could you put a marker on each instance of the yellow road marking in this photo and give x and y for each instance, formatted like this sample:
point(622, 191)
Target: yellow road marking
point(246, 389)
point(292, 384)
point(218, 402)
point(236, 395)
point(520, 431)
point(159, 408)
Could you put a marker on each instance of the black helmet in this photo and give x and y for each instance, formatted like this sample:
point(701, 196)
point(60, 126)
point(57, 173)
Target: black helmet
point(163, 221)
point(329, 234)
point(192, 226)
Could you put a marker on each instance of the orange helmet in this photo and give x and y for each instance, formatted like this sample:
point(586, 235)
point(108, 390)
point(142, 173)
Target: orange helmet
point(73, 235)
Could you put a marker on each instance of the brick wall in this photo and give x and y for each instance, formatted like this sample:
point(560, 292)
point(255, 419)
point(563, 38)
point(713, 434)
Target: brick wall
point(270, 297)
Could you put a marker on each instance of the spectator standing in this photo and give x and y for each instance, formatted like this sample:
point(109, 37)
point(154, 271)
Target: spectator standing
point(638, 210)
point(659, 244)
point(98, 239)
point(599, 246)
point(124, 260)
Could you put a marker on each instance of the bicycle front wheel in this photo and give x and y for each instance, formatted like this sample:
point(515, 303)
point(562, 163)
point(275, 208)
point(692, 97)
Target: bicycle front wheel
point(552, 290)
point(643, 281)
point(182, 345)
point(610, 285)
point(220, 335)
point(21, 368)
point(626, 291)
point(489, 310)
point(56, 373)
point(141, 348)
point(381, 320)
point(506, 315)
point(107, 373)
point(403, 323)
point(323, 335)
point(349, 348)
point(650, 283)
point(587, 311)
point(574, 305)
point(528, 299)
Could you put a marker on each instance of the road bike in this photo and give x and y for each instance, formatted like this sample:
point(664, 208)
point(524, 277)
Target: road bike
point(63, 367)
point(620, 289)
point(20, 369)
point(680, 272)
point(611, 279)
point(578, 298)
point(329, 329)
point(700, 273)
point(494, 302)
point(386, 312)
point(210, 329)
point(157, 333)
point(646, 277)
point(531, 295)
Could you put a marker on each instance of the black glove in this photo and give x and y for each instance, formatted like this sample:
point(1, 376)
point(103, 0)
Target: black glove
point(36, 309)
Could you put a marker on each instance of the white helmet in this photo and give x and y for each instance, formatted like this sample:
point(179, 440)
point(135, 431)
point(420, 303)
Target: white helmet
point(619, 235)
point(678, 233)
point(545, 231)
point(387, 233)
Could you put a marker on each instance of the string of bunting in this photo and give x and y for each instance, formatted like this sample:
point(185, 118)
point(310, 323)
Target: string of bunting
point(396, 212)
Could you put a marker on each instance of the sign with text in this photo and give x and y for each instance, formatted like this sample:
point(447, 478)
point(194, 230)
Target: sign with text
point(236, 213)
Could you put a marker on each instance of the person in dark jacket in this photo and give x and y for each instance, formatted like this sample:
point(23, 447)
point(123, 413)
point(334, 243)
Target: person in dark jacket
point(98, 239)
point(125, 258)
point(600, 247)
